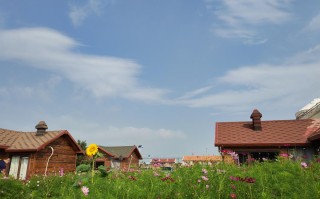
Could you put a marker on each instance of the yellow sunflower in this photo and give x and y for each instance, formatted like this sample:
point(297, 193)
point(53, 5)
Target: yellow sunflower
point(92, 149)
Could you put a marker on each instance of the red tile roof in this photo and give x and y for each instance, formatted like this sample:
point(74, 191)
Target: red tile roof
point(163, 160)
point(273, 133)
point(15, 141)
point(202, 158)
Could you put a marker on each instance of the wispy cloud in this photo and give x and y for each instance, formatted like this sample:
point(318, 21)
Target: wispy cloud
point(50, 50)
point(313, 25)
point(78, 13)
point(296, 78)
point(243, 18)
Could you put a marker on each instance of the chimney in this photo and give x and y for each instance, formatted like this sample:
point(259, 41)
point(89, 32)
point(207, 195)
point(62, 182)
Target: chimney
point(256, 120)
point(41, 128)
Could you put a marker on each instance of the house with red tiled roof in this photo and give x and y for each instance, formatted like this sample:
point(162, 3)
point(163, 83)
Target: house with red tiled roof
point(162, 162)
point(260, 139)
point(42, 152)
point(119, 157)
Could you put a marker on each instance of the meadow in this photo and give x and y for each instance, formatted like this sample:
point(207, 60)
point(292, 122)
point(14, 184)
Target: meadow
point(280, 179)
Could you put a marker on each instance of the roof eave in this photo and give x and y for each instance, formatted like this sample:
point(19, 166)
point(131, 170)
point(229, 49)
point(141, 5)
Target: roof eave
point(260, 144)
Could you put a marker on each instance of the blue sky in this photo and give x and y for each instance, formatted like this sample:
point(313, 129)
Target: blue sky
point(155, 73)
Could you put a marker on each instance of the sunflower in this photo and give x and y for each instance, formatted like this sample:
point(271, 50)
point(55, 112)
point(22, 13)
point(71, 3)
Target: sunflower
point(92, 149)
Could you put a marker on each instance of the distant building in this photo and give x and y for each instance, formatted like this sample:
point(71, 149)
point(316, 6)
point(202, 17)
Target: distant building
point(162, 162)
point(191, 160)
point(119, 157)
point(310, 111)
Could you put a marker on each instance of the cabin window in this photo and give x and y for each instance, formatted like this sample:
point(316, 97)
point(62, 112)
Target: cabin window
point(263, 156)
point(19, 167)
point(99, 163)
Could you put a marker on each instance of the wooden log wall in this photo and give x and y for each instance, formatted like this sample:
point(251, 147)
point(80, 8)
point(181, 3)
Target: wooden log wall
point(63, 156)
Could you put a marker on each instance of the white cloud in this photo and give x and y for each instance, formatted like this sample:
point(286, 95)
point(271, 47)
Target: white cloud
point(313, 25)
point(242, 18)
point(247, 86)
point(78, 13)
point(52, 51)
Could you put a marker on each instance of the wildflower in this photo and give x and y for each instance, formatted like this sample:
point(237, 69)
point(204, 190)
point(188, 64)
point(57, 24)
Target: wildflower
point(132, 178)
point(168, 178)
point(199, 180)
point(61, 172)
point(156, 174)
point(221, 171)
point(204, 178)
point(85, 190)
point(284, 155)
point(249, 180)
point(304, 165)
point(234, 178)
point(233, 186)
point(207, 186)
point(233, 155)
point(92, 149)
point(204, 171)
point(233, 195)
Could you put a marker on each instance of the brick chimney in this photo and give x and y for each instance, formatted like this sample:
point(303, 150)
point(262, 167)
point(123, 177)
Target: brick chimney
point(256, 120)
point(41, 128)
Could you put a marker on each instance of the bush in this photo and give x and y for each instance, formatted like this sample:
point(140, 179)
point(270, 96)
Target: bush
point(11, 188)
point(83, 168)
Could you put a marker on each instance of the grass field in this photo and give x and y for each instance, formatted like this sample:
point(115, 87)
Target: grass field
point(281, 179)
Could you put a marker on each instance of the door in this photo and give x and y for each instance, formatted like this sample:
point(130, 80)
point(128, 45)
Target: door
point(115, 164)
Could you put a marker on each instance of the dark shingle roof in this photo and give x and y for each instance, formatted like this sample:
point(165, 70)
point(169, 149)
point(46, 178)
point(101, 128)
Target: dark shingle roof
point(123, 151)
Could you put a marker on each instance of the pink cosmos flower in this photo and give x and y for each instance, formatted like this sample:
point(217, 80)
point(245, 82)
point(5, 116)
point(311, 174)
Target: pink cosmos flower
point(204, 171)
point(204, 178)
point(304, 165)
point(61, 172)
point(233, 195)
point(156, 174)
point(85, 190)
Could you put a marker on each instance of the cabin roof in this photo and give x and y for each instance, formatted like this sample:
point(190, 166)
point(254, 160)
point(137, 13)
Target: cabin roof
point(121, 151)
point(18, 141)
point(272, 133)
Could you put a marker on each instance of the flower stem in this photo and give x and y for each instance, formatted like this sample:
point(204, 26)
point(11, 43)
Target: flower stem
point(92, 170)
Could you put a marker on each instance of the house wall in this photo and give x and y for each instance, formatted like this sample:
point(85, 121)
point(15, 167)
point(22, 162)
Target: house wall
point(297, 153)
point(3, 154)
point(132, 162)
point(106, 159)
point(63, 156)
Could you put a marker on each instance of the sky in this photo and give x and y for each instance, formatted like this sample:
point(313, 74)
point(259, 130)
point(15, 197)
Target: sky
point(155, 73)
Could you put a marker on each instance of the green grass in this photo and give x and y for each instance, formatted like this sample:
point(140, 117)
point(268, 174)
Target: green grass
point(284, 179)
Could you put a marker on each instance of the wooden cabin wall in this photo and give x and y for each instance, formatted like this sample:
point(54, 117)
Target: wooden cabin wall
point(134, 162)
point(63, 156)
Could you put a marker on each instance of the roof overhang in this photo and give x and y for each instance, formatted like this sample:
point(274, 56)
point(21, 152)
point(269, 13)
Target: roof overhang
point(260, 144)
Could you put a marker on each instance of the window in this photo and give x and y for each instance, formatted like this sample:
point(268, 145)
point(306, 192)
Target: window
point(19, 167)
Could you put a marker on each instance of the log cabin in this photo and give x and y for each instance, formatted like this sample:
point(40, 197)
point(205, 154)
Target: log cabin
point(42, 152)
point(119, 157)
